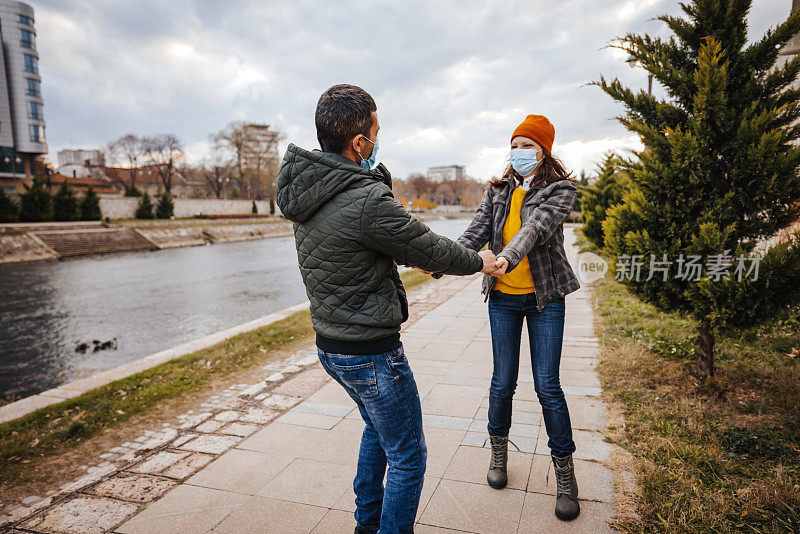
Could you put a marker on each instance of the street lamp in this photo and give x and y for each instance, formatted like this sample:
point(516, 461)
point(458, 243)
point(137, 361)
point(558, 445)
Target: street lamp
point(633, 63)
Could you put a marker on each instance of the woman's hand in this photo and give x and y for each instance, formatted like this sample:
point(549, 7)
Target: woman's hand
point(501, 265)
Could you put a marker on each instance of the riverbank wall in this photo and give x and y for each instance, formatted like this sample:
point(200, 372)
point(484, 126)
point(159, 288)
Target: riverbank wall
point(20, 243)
point(125, 207)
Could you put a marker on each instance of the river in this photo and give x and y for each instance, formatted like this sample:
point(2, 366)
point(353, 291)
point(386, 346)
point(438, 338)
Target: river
point(142, 302)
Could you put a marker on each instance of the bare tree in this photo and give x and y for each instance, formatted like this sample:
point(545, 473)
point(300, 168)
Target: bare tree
point(165, 152)
point(263, 154)
point(420, 186)
point(255, 153)
point(233, 136)
point(127, 150)
point(445, 194)
point(218, 168)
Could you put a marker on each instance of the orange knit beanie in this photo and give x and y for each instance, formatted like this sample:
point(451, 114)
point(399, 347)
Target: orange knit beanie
point(538, 128)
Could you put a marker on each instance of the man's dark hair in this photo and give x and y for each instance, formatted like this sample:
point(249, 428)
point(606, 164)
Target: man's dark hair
point(343, 112)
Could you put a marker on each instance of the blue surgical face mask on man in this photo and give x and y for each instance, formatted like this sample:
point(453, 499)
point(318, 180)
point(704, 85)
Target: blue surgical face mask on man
point(524, 160)
point(369, 162)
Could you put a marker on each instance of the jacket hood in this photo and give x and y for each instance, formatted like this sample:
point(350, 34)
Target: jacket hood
point(307, 180)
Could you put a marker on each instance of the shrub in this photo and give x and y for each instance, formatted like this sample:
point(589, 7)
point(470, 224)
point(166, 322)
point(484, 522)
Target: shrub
point(145, 209)
point(165, 208)
point(36, 203)
point(90, 206)
point(65, 204)
point(132, 191)
point(9, 211)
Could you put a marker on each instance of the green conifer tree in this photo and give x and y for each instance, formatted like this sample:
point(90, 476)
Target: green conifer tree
point(719, 172)
point(145, 209)
point(132, 191)
point(90, 206)
point(9, 211)
point(583, 183)
point(165, 208)
point(611, 183)
point(36, 203)
point(65, 204)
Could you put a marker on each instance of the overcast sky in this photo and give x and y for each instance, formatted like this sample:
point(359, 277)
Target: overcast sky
point(452, 79)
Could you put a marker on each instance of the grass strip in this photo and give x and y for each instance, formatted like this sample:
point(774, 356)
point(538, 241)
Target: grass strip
point(720, 456)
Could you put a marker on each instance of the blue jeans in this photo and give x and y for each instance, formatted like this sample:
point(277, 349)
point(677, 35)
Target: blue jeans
point(384, 389)
point(546, 333)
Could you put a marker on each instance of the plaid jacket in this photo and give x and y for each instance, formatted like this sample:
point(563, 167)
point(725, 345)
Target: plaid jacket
point(541, 238)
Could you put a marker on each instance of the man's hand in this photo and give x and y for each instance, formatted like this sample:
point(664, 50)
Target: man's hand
point(489, 261)
point(501, 265)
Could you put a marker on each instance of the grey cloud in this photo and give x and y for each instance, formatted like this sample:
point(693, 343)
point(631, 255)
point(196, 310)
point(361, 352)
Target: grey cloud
point(451, 78)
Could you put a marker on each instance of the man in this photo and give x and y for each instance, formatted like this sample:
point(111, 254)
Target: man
point(350, 233)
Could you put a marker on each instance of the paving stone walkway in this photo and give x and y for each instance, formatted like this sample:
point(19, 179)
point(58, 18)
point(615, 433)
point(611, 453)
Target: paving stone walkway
point(278, 460)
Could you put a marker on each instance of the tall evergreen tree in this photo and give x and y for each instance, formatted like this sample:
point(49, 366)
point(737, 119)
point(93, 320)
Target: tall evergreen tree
point(36, 203)
point(90, 206)
point(165, 208)
point(611, 183)
point(9, 211)
point(719, 172)
point(65, 204)
point(145, 209)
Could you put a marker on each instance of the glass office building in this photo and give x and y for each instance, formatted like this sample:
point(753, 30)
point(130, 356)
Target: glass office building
point(22, 125)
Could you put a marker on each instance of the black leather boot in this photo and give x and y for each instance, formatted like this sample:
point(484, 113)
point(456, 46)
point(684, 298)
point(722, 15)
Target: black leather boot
point(497, 476)
point(567, 505)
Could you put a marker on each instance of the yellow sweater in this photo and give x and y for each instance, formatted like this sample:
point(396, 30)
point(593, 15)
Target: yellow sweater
point(519, 281)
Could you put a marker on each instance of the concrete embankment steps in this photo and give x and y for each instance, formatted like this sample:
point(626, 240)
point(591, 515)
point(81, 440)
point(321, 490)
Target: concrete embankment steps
point(71, 243)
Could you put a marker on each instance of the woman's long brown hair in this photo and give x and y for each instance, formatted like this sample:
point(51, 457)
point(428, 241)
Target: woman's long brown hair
point(551, 170)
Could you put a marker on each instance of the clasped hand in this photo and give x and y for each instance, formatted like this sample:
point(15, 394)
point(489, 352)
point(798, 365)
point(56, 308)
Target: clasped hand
point(492, 265)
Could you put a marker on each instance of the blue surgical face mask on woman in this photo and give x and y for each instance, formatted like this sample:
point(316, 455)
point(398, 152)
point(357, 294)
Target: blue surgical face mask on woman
point(524, 160)
point(369, 162)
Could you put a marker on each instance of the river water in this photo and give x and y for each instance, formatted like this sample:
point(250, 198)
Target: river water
point(142, 302)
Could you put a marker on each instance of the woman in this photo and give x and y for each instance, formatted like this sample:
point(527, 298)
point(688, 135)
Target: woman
point(521, 218)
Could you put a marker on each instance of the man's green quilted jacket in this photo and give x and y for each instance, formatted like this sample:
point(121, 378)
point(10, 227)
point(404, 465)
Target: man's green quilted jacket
point(350, 233)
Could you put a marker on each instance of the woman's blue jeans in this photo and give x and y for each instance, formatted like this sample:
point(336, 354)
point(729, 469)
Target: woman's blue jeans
point(546, 333)
point(383, 387)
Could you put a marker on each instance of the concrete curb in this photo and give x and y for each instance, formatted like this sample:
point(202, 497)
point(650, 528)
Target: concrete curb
point(22, 407)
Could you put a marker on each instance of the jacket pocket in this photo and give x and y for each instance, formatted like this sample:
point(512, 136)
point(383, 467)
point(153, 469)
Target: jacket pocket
point(360, 377)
